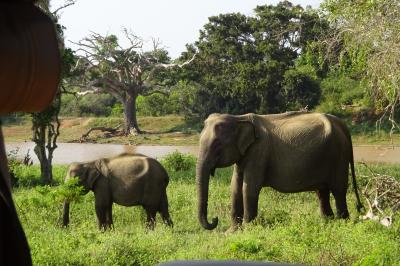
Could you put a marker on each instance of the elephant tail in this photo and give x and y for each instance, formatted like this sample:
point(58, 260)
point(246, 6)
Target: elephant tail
point(359, 205)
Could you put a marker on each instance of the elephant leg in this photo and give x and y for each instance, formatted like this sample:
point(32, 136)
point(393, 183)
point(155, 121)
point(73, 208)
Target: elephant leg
point(101, 212)
point(109, 219)
point(325, 206)
point(164, 210)
point(237, 199)
point(151, 217)
point(341, 203)
point(251, 192)
point(103, 204)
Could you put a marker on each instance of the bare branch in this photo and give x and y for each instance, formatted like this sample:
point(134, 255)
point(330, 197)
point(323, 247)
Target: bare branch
point(136, 42)
point(158, 67)
point(68, 3)
point(382, 193)
point(92, 91)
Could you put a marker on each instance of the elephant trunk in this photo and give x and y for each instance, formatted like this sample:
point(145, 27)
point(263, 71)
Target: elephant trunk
point(66, 213)
point(202, 181)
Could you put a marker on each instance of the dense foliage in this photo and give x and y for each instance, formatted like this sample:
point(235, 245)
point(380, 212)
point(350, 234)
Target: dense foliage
point(367, 34)
point(247, 63)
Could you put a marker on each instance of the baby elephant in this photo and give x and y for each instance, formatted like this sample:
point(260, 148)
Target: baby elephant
point(128, 180)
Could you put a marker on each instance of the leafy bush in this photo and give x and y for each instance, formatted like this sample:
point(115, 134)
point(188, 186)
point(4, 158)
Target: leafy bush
point(88, 105)
point(159, 104)
point(15, 164)
point(178, 161)
point(300, 90)
point(117, 110)
point(70, 190)
point(340, 91)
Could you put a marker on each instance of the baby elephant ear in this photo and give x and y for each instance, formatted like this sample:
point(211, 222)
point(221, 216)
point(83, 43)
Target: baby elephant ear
point(247, 134)
point(92, 175)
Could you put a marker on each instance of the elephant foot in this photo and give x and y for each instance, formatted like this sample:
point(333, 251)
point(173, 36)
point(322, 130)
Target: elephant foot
point(327, 216)
point(233, 229)
point(105, 227)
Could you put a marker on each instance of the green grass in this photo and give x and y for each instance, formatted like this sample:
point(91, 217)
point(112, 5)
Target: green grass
point(288, 228)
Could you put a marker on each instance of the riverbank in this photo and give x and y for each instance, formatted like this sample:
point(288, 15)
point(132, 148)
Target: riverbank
point(165, 130)
point(78, 152)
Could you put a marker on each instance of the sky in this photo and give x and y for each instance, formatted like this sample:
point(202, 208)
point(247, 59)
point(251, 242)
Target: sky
point(174, 22)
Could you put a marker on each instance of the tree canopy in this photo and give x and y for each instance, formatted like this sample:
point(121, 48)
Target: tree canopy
point(124, 72)
point(366, 34)
point(242, 60)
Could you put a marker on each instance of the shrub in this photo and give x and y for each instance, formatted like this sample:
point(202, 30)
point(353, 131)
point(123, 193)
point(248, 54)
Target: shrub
point(88, 105)
point(340, 91)
point(178, 161)
point(117, 110)
point(14, 165)
point(300, 90)
point(70, 190)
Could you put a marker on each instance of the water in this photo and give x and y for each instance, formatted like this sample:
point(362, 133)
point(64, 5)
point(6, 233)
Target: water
point(80, 152)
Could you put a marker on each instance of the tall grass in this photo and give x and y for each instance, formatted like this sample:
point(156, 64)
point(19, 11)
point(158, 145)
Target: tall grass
point(288, 228)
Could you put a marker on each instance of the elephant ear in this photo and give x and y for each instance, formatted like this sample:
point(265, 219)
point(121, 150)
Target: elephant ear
point(101, 166)
point(92, 175)
point(247, 134)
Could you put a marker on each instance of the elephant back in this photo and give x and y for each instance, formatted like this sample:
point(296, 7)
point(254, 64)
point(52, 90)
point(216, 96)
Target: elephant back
point(29, 58)
point(128, 166)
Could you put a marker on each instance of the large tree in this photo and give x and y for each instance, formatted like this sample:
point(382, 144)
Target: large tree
point(242, 60)
point(125, 73)
point(366, 37)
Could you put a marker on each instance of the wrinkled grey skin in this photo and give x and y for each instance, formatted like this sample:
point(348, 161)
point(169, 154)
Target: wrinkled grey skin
point(290, 152)
point(127, 180)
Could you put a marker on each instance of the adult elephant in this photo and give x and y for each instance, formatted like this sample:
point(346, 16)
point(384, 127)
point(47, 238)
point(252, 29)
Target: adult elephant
point(290, 152)
point(126, 179)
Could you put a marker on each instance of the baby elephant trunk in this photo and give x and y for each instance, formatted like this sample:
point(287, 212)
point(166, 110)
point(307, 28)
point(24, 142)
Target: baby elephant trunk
point(66, 213)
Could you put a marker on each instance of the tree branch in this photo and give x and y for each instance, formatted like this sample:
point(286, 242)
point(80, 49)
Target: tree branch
point(154, 91)
point(158, 67)
point(69, 3)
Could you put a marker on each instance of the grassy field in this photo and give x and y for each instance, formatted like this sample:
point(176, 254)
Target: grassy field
point(288, 228)
point(166, 130)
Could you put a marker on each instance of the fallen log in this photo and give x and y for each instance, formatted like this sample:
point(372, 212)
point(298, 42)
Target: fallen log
point(110, 130)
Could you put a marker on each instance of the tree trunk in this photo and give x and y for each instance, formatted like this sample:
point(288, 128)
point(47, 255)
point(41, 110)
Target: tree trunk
point(42, 123)
point(131, 126)
point(40, 151)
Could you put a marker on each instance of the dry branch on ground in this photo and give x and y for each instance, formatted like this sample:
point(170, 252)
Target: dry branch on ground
point(382, 193)
point(113, 131)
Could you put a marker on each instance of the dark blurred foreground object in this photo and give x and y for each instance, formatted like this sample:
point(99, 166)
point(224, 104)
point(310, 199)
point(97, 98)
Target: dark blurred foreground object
point(29, 58)
point(29, 77)
point(220, 263)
